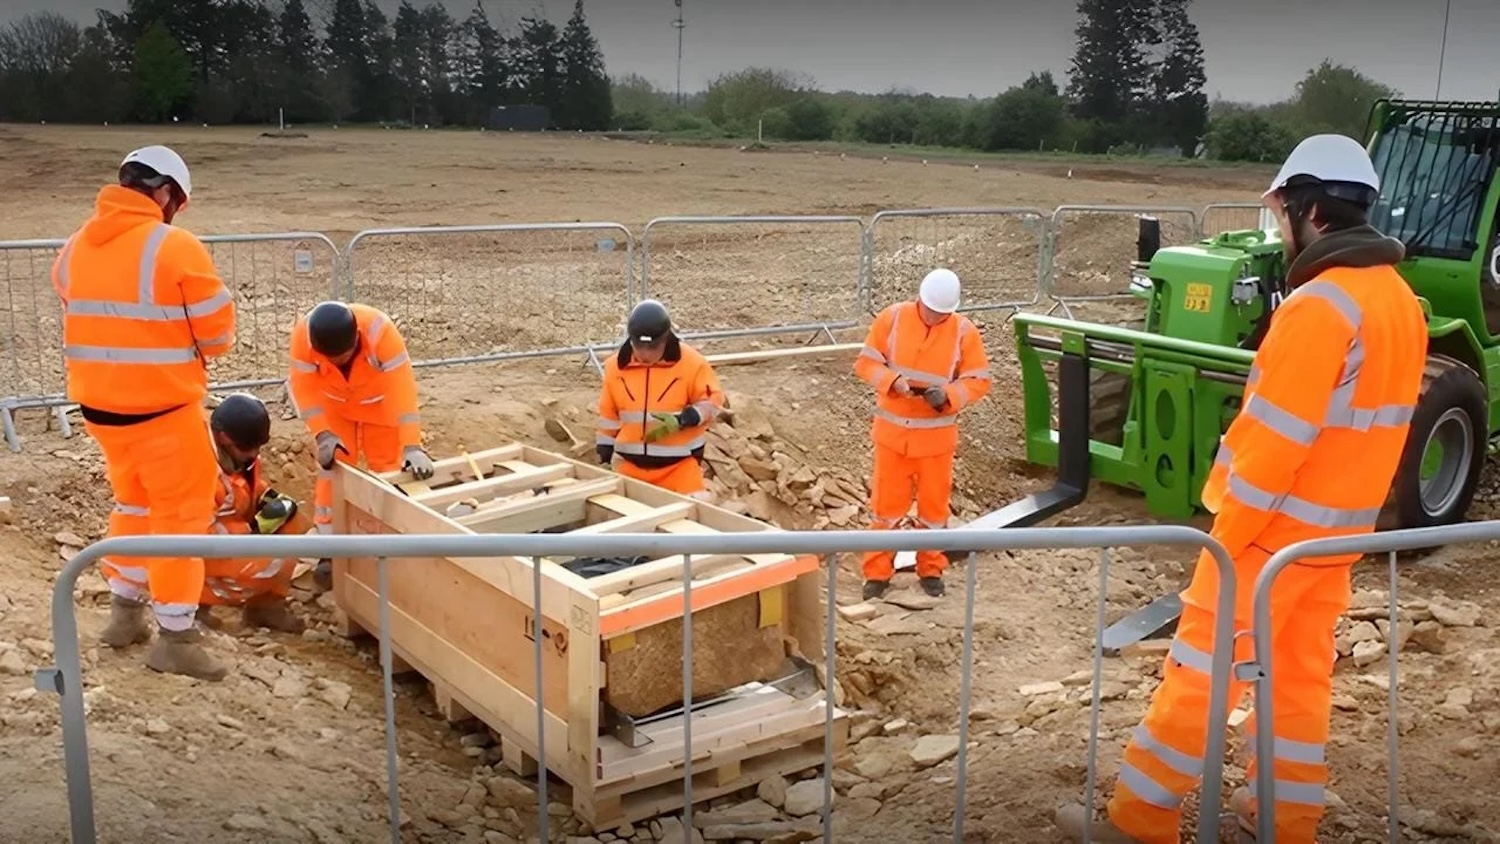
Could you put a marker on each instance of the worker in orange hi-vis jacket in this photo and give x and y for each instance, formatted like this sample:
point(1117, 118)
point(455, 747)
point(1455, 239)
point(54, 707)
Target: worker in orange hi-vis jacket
point(926, 364)
point(143, 310)
point(658, 397)
point(246, 504)
point(1312, 454)
point(354, 387)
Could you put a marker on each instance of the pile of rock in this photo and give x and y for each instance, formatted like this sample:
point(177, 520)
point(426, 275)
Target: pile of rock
point(1364, 633)
point(751, 470)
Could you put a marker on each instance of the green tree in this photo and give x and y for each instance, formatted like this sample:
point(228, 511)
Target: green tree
point(1248, 136)
point(586, 97)
point(540, 64)
point(164, 74)
point(736, 102)
point(1335, 98)
point(1025, 117)
point(299, 70)
point(1110, 78)
point(1178, 100)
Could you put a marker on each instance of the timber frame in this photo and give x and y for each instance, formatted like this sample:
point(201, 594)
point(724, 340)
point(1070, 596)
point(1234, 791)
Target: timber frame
point(466, 626)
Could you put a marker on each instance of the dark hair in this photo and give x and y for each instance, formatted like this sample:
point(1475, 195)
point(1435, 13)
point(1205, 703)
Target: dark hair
point(139, 177)
point(1329, 206)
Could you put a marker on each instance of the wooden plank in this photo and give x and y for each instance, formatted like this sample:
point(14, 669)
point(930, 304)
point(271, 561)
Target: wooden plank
point(714, 591)
point(528, 515)
point(732, 358)
point(452, 470)
point(494, 487)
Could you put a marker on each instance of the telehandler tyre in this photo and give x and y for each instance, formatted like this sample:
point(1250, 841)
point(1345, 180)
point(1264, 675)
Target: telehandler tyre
point(1445, 447)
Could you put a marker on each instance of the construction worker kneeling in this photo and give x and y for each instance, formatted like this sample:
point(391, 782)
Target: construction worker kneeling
point(926, 363)
point(659, 396)
point(248, 505)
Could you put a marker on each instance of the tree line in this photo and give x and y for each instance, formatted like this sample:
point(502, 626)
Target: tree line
point(1135, 84)
point(240, 61)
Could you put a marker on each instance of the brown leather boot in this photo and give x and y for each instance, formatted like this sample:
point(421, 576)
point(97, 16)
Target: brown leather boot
point(127, 623)
point(274, 614)
point(182, 652)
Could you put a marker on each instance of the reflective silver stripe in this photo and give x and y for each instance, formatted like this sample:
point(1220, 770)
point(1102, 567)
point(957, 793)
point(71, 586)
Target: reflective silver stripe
point(317, 411)
point(132, 509)
point(325, 528)
point(609, 425)
point(271, 570)
point(1302, 752)
point(659, 450)
point(908, 422)
point(134, 574)
point(1183, 763)
point(632, 416)
point(872, 353)
point(304, 366)
point(220, 340)
point(373, 399)
point(1282, 421)
point(146, 294)
point(1342, 412)
point(373, 332)
point(932, 525)
point(1148, 789)
point(408, 419)
point(323, 512)
point(602, 439)
point(1335, 296)
point(64, 277)
point(1190, 657)
point(1290, 505)
point(393, 363)
point(1305, 793)
point(116, 354)
point(152, 313)
point(332, 396)
point(174, 609)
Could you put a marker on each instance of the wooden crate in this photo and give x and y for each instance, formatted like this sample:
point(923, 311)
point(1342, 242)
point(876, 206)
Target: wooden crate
point(613, 641)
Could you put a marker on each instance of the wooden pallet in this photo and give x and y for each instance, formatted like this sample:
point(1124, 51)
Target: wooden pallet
point(612, 642)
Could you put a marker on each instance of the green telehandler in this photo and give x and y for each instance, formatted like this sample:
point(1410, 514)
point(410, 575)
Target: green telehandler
point(1159, 397)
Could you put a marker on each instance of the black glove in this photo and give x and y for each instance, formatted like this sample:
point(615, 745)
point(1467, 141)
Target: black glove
point(935, 397)
point(606, 453)
point(689, 417)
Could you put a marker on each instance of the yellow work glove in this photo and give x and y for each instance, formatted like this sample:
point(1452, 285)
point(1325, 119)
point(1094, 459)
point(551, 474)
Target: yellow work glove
point(663, 425)
point(274, 511)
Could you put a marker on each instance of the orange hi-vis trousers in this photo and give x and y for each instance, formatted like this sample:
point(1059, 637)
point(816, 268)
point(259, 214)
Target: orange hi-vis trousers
point(164, 473)
point(894, 481)
point(1164, 759)
point(379, 445)
point(685, 477)
point(238, 581)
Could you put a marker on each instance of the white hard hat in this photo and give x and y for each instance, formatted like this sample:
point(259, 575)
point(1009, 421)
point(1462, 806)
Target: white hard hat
point(166, 162)
point(1331, 158)
point(940, 291)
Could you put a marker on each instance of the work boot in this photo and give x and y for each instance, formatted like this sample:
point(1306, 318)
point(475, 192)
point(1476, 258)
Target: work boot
point(1072, 820)
point(205, 618)
point(273, 614)
point(876, 589)
point(182, 652)
point(127, 623)
point(933, 586)
point(1242, 805)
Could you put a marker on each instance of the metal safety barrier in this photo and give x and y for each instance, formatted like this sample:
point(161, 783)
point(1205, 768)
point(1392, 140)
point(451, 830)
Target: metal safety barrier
point(273, 278)
point(1000, 253)
point(1220, 217)
point(470, 294)
point(798, 278)
point(1081, 278)
point(66, 678)
point(1259, 669)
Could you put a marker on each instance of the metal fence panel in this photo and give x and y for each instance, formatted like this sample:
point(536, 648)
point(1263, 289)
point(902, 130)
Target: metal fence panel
point(270, 276)
point(66, 679)
point(1093, 246)
point(1220, 217)
point(1259, 670)
point(802, 273)
point(463, 294)
point(998, 252)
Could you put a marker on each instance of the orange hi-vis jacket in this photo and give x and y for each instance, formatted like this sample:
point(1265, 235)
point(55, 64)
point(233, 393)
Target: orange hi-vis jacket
point(143, 309)
point(632, 391)
point(381, 388)
point(237, 499)
point(950, 355)
point(1315, 447)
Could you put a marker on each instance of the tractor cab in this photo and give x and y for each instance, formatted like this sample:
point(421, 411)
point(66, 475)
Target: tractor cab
point(1439, 195)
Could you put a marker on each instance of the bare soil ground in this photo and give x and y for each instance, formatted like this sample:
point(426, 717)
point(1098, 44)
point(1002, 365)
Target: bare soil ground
point(291, 747)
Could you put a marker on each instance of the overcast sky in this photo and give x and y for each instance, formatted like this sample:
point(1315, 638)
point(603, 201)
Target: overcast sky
point(1255, 50)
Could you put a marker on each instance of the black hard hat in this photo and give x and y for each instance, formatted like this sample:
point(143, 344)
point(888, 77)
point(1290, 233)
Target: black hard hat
point(332, 329)
point(243, 418)
point(648, 323)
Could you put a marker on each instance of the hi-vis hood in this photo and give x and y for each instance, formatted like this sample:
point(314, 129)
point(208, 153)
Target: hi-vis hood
point(118, 210)
point(1359, 247)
